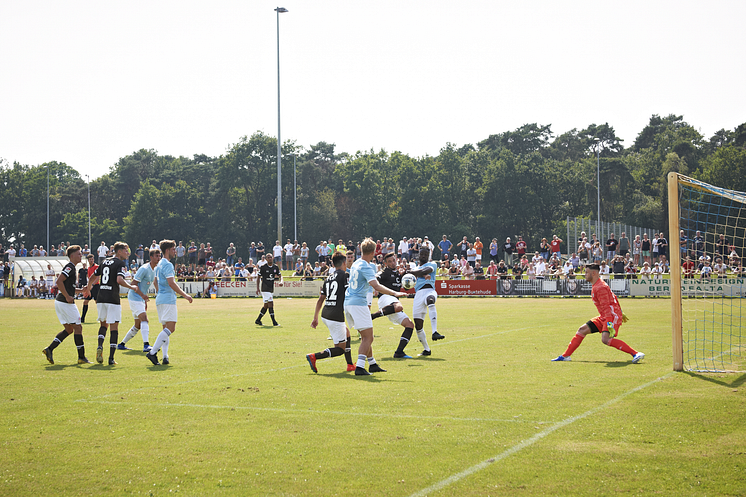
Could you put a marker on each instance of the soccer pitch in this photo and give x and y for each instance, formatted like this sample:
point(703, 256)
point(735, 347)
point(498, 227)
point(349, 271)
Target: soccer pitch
point(239, 411)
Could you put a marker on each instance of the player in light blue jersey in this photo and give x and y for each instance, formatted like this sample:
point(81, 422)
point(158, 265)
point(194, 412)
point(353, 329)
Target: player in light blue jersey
point(424, 299)
point(144, 277)
point(362, 278)
point(165, 301)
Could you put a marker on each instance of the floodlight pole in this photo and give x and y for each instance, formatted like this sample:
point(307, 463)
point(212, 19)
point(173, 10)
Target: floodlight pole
point(47, 207)
point(295, 200)
point(279, 11)
point(598, 186)
point(90, 246)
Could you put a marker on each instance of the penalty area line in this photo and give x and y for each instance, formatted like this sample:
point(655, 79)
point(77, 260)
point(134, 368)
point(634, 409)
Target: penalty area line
point(526, 443)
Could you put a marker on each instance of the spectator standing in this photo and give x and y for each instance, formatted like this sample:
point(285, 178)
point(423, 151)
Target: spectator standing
point(508, 248)
point(520, 247)
point(180, 254)
point(404, 248)
point(444, 245)
point(478, 246)
point(623, 244)
point(208, 252)
point(544, 249)
point(464, 246)
point(102, 251)
point(277, 254)
point(654, 247)
point(296, 252)
point(193, 253)
point(260, 252)
point(304, 250)
point(230, 254)
point(636, 250)
point(721, 246)
point(598, 253)
point(662, 247)
point(699, 245)
point(556, 245)
point(288, 249)
point(493, 251)
point(471, 255)
point(645, 248)
point(611, 245)
point(201, 255)
point(140, 255)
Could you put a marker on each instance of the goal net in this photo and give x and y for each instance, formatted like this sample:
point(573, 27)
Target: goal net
point(707, 232)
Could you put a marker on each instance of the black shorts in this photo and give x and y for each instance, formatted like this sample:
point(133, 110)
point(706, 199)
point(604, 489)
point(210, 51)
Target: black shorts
point(94, 293)
point(593, 327)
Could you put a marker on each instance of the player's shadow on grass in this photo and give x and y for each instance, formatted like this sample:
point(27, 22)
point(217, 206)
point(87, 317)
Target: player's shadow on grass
point(60, 367)
point(733, 384)
point(414, 361)
point(615, 364)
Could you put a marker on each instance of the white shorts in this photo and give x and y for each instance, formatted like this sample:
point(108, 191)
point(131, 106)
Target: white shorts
point(67, 313)
point(479, 257)
point(266, 297)
point(137, 307)
point(369, 298)
point(109, 313)
point(358, 316)
point(167, 313)
point(397, 317)
point(337, 330)
point(419, 309)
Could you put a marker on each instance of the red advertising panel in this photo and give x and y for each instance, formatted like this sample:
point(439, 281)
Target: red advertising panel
point(466, 287)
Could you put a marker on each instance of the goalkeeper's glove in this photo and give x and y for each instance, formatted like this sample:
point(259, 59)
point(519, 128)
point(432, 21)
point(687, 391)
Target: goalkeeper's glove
point(624, 318)
point(610, 327)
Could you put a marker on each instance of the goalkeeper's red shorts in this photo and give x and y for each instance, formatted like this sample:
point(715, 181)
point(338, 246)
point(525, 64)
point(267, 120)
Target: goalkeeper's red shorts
point(598, 324)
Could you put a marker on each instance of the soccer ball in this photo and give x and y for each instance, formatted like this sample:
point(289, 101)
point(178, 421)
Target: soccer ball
point(408, 281)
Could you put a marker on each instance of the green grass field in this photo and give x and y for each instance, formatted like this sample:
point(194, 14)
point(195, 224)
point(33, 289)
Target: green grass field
point(239, 412)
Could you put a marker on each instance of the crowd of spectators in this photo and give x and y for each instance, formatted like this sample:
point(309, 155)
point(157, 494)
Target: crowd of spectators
point(466, 259)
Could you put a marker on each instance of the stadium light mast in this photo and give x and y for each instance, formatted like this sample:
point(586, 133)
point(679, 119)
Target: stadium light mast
point(295, 200)
point(90, 246)
point(47, 208)
point(279, 10)
point(598, 185)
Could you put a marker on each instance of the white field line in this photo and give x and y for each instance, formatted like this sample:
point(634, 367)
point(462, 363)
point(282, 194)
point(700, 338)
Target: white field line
point(319, 412)
point(526, 443)
point(300, 365)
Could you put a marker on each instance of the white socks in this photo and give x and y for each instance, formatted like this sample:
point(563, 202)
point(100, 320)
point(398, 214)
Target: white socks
point(130, 334)
point(360, 361)
point(162, 339)
point(145, 329)
point(433, 312)
point(423, 339)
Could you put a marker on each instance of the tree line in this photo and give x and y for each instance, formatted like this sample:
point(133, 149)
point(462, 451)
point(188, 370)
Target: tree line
point(525, 181)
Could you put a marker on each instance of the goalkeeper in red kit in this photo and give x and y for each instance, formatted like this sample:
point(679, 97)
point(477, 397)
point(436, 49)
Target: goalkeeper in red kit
point(608, 323)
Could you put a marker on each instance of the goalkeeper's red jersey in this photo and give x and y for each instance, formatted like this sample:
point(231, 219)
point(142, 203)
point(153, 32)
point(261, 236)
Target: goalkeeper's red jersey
point(607, 305)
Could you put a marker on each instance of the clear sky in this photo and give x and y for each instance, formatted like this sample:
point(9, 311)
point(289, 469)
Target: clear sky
point(88, 82)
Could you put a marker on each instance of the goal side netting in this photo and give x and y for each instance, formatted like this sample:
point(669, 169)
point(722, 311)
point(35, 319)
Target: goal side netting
point(707, 229)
